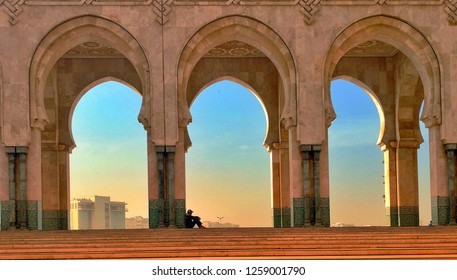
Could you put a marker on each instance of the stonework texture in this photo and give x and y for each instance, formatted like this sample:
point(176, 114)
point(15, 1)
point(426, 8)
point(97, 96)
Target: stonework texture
point(286, 52)
point(154, 218)
point(440, 210)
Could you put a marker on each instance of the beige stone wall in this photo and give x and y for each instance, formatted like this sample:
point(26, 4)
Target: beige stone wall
point(308, 45)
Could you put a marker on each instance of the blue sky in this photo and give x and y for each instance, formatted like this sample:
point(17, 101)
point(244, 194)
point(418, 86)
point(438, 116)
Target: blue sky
point(228, 169)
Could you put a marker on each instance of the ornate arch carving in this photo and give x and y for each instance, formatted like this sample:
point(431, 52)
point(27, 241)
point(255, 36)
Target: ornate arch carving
point(400, 34)
point(251, 32)
point(72, 33)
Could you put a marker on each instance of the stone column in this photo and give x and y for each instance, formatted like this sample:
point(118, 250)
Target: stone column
point(4, 190)
point(307, 180)
point(170, 185)
point(311, 185)
point(50, 186)
point(285, 185)
point(64, 186)
point(18, 186)
point(296, 173)
point(407, 184)
point(390, 185)
point(276, 183)
point(438, 177)
point(316, 186)
point(166, 185)
point(12, 186)
point(21, 216)
point(153, 185)
point(451, 179)
point(34, 187)
point(324, 189)
point(162, 195)
point(180, 180)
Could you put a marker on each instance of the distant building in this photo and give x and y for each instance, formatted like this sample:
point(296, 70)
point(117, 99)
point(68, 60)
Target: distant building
point(340, 224)
point(98, 212)
point(136, 222)
point(210, 224)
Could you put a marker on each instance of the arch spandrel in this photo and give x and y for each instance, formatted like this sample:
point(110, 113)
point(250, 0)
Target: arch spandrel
point(405, 38)
point(246, 30)
point(72, 33)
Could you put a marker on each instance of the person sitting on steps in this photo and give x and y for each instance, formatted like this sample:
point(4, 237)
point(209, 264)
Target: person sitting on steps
point(191, 221)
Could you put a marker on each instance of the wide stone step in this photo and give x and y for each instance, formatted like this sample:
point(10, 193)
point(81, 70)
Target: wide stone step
point(261, 243)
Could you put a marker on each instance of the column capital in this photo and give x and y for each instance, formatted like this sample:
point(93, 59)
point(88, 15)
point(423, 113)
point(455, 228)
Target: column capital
point(16, 149)
point(311, 148)
point(450, 147)
point(39, 124)
point(165, 149)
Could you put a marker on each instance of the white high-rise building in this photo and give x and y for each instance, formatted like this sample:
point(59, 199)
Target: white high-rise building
point(98, 212)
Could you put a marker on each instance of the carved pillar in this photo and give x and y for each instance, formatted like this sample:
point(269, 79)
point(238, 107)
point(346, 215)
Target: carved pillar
point(12, 186)
point(64, 186)
point(438, 177)
point(34, 179)
point(170, 177)
point(316, 179)
point(451, 162)
point(18, 186)
point(155, 204)
point(4, 190)
point(407, 184)
point(180, 179)
point(315, 206)
point(307, 179)
point(162, 195)
point(390, 185)
point(296, 175)
point(166, 188)
point(285, 185)
point(276, 183)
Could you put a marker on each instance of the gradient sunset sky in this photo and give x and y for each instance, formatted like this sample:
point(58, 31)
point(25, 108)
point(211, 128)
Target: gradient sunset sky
point(227, 168)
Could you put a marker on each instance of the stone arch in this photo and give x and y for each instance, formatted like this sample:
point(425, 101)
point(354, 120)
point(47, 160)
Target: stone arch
point(406, 38)
point(83, 92)
point(72, 33)
point(251, 89)
point(373, 96)
point(246, 30)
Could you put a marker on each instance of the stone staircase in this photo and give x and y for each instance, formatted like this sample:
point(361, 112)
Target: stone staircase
point(234, 243)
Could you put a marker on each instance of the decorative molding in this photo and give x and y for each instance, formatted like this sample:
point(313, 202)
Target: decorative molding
point(163, 8)
point(451, 10)
point(12, 8)
point(309, 8)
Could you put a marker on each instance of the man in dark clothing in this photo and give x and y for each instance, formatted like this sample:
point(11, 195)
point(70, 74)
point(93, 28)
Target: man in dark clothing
point(191, 221)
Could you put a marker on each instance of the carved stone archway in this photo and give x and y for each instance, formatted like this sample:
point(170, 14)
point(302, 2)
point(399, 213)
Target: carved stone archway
point(410, 74)
point(51, 103)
